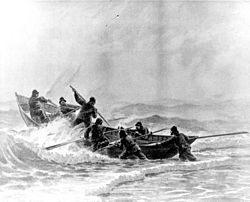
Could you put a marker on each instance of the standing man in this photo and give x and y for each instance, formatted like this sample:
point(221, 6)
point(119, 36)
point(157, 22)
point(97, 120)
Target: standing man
point(36, 111)
point(87, 111)
point(98, 139)
point(129, 146)
point(181, 141)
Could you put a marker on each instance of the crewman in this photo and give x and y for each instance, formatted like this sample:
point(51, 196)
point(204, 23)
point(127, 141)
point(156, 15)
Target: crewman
point(36, 110)
point(87, 111)
point(141, 130)
point(129, 146)
point(181, 141)
point(66, 109)
point(98, 140)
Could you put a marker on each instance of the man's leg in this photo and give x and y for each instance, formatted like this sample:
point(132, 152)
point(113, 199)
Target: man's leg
point(140, 155)
point(124, 155)
point(95, 146)
point(44, 117)
point(187, 155)
point(77, 122)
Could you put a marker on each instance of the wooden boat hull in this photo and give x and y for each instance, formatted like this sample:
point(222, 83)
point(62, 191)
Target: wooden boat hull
point(153, 146)
point(23, 106)
point(152, 149)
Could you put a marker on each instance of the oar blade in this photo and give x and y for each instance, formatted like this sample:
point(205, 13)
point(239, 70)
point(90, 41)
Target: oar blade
point(53, 147)
point(61, 144)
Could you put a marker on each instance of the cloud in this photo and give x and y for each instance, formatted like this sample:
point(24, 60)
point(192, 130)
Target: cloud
point(138, 51)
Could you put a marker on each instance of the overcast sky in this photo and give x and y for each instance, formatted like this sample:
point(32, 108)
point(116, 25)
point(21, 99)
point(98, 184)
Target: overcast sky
point(125, 50)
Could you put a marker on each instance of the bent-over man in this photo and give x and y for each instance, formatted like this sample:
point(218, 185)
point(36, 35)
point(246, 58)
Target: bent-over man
point(98, 140)
point(181, 141)
point(130, 147)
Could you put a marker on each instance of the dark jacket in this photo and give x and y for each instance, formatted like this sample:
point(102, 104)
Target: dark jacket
point(97, 133)
point(87, 110)
point(129, 144)
point(142, 131)
point(180, 140)
point(35, 103)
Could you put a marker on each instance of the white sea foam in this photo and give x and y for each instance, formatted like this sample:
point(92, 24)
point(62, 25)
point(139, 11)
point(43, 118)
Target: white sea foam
point(114, 180)
point(57, 132)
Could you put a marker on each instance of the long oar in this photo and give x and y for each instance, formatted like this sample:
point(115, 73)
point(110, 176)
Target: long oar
point(225, 134)
point(52, 103)
point(86, 102)
point(62, 144)
point(218, 135)
point(118, 130)
point(70, 112)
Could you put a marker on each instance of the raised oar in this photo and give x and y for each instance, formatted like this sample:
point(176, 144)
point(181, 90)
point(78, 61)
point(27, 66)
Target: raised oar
point(62, 144)
point(86, 102)
point(225, 134)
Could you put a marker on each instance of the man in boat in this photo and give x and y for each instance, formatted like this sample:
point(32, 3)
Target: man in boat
point(87, 111)
point(130, 147)
point(181, 141)
point(36, 111)
point(66, 109)
point(98, 140)
point(141, 130)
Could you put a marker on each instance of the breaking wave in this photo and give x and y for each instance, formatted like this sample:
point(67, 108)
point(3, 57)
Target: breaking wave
point(59, 131)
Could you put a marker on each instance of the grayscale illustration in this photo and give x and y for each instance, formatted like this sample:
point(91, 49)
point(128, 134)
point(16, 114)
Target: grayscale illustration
point(124, 100)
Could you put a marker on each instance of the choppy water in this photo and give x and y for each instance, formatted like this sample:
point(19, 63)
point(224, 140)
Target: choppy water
point(30, 173)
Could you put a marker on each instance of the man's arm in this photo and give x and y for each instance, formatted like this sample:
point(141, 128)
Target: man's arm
point(94, 113)
point(72, 106)
point(86, 134)
point(121, 144)
point(42, 99)
point(170, 140)
point(78, 99)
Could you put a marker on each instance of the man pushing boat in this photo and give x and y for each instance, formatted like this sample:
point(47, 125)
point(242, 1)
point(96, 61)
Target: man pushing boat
point(130, 146)
point(181, 141)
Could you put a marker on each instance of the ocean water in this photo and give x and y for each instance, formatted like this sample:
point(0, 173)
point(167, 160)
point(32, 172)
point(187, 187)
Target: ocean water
point(30, 173)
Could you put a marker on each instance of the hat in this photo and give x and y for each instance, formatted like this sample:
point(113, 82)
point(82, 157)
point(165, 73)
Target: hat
point(122, 133)
point(34, 92)
point(62, 99)
point(92, 99)
point(98, 121)
point(174, 129)
point(138, 123)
